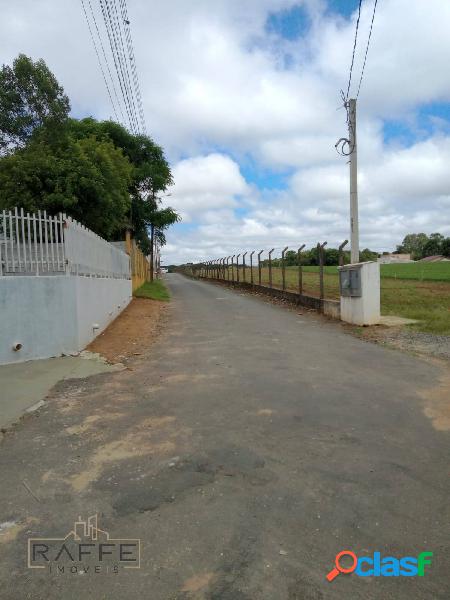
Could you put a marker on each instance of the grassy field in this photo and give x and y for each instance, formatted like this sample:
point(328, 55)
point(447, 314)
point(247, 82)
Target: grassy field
point(418, 271)
point(155, 290)
point(416, 291)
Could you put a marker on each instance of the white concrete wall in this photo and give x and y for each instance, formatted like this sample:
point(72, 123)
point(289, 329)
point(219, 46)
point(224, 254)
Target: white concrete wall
point(99, 301)
point(55, 315)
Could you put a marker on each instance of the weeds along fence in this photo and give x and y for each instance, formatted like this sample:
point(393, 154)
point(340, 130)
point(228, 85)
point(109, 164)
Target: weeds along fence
point(272, 271)
point(41, 244)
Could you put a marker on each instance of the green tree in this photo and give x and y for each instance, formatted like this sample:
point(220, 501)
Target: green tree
point(433, 245)
point(97, 172)
point(30, 97)
point(291, 258)
point(445, 247)
point(413, 244)
point(367, 255)
point(151, 175)
point(331, 256)
point(160, 220)
point(88, 179)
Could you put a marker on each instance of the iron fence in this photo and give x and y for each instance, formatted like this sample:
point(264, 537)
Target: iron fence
point(42, 244)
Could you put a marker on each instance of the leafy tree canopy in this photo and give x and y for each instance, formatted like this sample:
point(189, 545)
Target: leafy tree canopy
point(420, 245)
point(87, 179)
point(97, 172)
point(413, 244)
point(151, 176)
point(30, 97)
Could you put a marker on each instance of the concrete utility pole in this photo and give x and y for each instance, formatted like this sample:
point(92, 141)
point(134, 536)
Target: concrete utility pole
point(354, 219)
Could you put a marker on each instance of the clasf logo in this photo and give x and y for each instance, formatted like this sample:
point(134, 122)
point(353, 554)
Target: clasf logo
point(378, 566)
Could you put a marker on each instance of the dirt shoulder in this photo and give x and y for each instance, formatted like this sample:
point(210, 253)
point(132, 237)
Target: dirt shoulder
point(133, 332)
point(407, 340)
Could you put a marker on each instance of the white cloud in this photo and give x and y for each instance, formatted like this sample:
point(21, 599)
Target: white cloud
point(205, 183)
point(215, 86)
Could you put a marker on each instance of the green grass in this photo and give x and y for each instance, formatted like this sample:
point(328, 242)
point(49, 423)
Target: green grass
point(427, 300)
point(155, 290)
point(418, 270)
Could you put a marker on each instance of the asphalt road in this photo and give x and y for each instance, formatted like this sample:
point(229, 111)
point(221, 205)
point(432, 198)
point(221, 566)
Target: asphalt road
point(247, 448)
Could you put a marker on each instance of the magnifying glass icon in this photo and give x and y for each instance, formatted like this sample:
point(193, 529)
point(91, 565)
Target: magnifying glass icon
point(339, 568)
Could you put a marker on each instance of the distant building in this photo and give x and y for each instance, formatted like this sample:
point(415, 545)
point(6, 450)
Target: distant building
point(436, 258)
point(391, 258)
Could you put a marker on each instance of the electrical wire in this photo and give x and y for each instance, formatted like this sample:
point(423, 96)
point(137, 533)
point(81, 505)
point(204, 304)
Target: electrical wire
point(99, 61)
point(354, 49)
point(123, 60)
point(106, 62)
point(118, 31)
point(118, 63)
point(367, 47)
point(132, 60)
point(129, 42)
point(108, 26)
point(343, 146)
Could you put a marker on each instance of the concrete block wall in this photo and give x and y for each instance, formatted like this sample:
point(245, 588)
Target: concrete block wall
point(54, 315)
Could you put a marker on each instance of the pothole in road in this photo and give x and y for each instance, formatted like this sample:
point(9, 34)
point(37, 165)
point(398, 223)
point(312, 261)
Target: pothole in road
point(179, 476)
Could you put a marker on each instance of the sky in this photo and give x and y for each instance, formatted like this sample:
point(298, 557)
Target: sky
point(244, 96)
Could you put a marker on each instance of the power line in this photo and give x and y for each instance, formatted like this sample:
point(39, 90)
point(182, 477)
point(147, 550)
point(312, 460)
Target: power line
point(111, 44)
point(367, 47)
point(106, 61)
point(118, 31)
point(132, 59)
point(123, 60)
point(354, 48)
point(112, 36)
point(98, 58)
point(127, 35)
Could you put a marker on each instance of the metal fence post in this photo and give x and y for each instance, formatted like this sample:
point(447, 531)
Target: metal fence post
point(251, 266)
point(270, 267)
point(237, 268)
point(300, 270)
point(232, 268)
point(259, 266)
point(243, 266)
point(283, 267)
point(320, 249)
point(341, 253)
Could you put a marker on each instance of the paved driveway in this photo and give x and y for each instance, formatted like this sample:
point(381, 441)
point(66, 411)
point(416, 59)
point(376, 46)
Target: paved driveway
point(245, 450)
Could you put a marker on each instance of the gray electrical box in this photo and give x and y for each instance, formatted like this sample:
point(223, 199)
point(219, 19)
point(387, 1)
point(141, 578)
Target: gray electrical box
point(350, 281)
